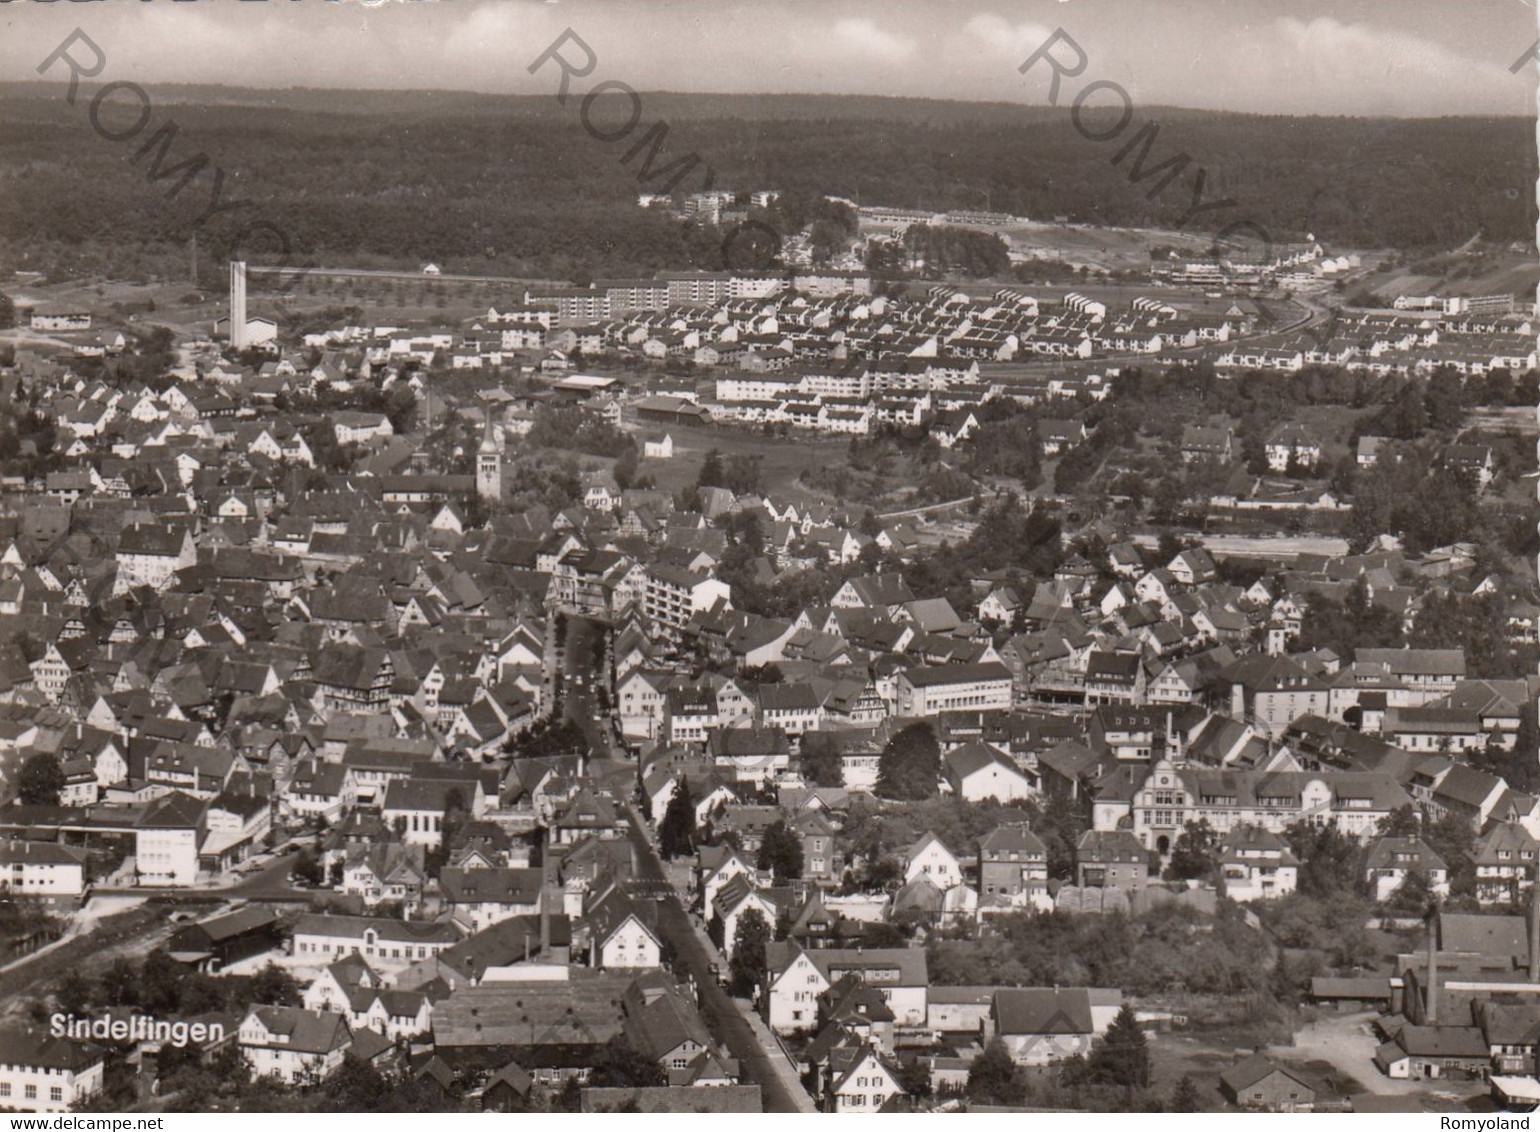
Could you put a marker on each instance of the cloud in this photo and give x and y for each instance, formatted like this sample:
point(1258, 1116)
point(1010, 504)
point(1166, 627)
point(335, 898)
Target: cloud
point(861, 36)
point(998, 36)
point(1387, 69)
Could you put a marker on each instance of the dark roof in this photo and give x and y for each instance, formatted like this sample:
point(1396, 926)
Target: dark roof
point(1497, 936)
point(670, 1098)
point(1241, 1076)
point(1038, 1010)
point(496, 886)
point(33, 1049)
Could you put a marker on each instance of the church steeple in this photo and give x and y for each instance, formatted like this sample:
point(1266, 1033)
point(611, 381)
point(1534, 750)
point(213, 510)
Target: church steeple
point(489, 463)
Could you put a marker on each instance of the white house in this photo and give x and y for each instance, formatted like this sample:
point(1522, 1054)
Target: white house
point(385, 944)
point(929, 858)
point(859, 1080)
point(167, 838)
point(1039, 1026)
point(976, 771)
point(41, 1072)
point(415, 807)
point(1257, 865)
point(393, 1013)
point(796, 977)
point(37, 868)
point(355, 427)
point(619, 938)
point(293, 1044)
point(479, 898)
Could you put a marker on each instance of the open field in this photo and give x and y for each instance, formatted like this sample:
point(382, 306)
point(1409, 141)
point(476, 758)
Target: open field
point(1109, 249)
point(131, 933)
point(782, 459)
point(1518, 419)
point(1184, 1053)
point(1477, 272)
point(192, 310)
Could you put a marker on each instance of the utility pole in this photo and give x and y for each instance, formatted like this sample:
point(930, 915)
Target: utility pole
point(192, 260)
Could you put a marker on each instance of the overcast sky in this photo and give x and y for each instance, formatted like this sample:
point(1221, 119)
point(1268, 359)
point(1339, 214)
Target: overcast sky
point(1405, 57)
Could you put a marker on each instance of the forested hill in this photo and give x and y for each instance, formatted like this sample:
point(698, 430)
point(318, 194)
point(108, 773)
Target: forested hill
point(515, 185)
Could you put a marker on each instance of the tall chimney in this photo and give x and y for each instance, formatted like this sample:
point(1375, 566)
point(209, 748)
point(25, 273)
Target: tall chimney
point(1430, 1010)
point(238, 304)
point(545, 906)
point(1534, 938)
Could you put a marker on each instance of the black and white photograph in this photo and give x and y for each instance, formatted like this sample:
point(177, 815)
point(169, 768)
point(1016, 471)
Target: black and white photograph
point(576, 557)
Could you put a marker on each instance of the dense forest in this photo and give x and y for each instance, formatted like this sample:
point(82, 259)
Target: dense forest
point(515, 185)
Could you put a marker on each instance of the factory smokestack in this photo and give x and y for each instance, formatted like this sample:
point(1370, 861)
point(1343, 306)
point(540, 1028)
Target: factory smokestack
point(1430, 1011)
point(238, 304)
point(545, 904)
point(1534, 938)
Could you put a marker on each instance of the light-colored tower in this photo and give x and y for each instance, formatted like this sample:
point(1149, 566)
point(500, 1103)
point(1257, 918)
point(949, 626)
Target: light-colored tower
point(489, 464)
point(238, 304)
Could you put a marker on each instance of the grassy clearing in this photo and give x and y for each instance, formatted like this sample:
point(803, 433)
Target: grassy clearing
point(782, 459)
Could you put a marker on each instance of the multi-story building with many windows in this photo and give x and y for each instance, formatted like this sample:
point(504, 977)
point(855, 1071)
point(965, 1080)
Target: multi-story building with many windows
point(43, 1073)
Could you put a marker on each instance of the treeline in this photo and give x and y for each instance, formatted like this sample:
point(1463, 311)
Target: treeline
point(1172, 948)
point(518, 187)
point(942, 250)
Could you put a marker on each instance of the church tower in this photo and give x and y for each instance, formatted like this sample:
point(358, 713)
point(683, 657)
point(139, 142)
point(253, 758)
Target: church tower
point(489, 464)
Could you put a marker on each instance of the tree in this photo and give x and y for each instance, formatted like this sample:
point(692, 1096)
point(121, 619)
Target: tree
point(1414, 895)
point(820, 756)
point(624, 470)
point(910, 764)
point(1060, 821)
point(1123, 1058)
point(41, 780)
point(1452, 838)
point(1329, 859)
point(356, 1086)
point(994, 1078)
point(160, 983)
point(748, 961)
point(308, 869)
point(273, 986)
point(1404, 821)
point(914, 1079)
point(119, 984)
point(712, 473)
point(1184, 1098)
point(620, 1065)
point(676, 832)
point(73, 993)
point(1192, 857)
point(781, 853)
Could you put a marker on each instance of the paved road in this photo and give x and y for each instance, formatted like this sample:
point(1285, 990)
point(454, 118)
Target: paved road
point(270, 881)
point(721, 1012)
point(417, 276)
point(584, 670)
point(1262, 546)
